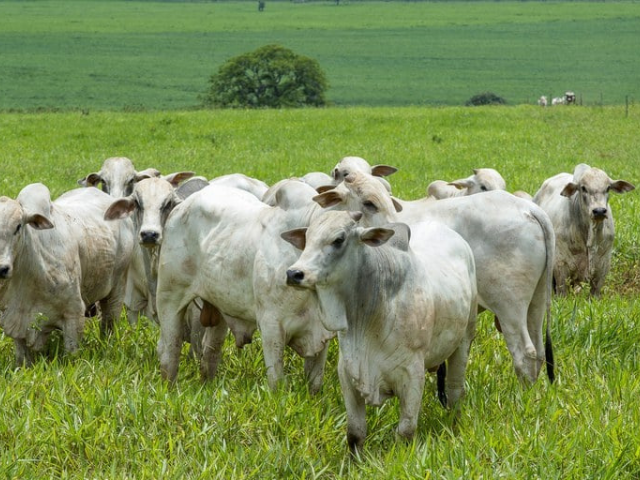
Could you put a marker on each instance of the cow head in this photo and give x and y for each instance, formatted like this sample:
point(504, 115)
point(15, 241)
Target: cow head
point(152, 201)
point(590, 188)
point(31, 209)
point(482, 180)
point(364, 193)
point(117, 177)
point(357, 164)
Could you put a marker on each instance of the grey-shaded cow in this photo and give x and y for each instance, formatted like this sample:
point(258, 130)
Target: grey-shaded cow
point(578, 206)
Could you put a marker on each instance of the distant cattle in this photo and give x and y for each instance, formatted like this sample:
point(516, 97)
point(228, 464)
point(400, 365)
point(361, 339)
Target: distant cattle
point(58, 258)
point(583, 222)
point(400, 308)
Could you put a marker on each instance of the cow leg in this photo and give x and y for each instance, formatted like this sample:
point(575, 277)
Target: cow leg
point(410, 399)
point(212, 343)
point(356, 411)
point(24, 356)
point(72, 330)
point(111, 308)
point(523, 352)
point(314, 369)
point(535, 324)
point(273, 343)
point(170, 341)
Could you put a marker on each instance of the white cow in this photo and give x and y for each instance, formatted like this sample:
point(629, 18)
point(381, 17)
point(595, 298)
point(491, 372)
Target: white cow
point(583, 222)
point(150, 204)
point(513, 244)
point(222, 245)
point(400, 308)
point(482, 180)
point(58, 258)
point(117, 177)
point(542, 101)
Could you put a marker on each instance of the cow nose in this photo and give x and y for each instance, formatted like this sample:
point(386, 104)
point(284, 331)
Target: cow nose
point(294, 277)
point(599, 213)
point(5, 271)
point(149, 237)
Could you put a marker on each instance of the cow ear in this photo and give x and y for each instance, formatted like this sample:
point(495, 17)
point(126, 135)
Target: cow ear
point(396, 204)
point(121, 208)
point(569, 189)
point(383, 170)
point(176, 178)
point(296, 237)
point(374, 237)
point(621, 186)
point(325, 188)
point(90, 180)
point(462, 183)
point(39, 222)
point(147, 173)
point(329, 198)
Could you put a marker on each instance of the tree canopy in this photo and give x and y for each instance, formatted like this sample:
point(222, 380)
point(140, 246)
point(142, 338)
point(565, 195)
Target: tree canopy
point(270, 77)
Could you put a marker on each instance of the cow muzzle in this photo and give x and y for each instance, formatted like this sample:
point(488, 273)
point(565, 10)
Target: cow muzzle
point(599, 214)
point(149, 238)
point(5, 271)
point(295, 277)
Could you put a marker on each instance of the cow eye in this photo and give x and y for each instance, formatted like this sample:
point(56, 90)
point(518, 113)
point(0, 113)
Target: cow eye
point(337, 243)
point(17, 229)
point(584, 189)
point(369, 205)
point(167, 206)
point(483, 188)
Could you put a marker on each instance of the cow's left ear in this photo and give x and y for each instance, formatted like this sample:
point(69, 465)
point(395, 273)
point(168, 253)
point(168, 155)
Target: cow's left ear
point(383, 170)
point(621, 186)
point(296, 237)
point(569, 189)
point(462, 183)
point(374, 237)
point(121, 208)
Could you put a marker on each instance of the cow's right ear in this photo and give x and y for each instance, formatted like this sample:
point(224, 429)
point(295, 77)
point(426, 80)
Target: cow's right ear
point(121, 208)
point(569, 189)
point(91, 180)
point(39, 222)
point(329, 198)
point(374, 237)
point(296, 237)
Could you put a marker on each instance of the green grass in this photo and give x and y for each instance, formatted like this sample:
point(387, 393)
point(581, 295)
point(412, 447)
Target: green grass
point(118, 55)
point(105, 412)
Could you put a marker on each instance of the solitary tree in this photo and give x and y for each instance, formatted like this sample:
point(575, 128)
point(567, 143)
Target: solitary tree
point(270, 77)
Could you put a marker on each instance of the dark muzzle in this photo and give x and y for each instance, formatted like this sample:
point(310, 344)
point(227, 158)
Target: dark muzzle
point(294, 277)
point(599, 213)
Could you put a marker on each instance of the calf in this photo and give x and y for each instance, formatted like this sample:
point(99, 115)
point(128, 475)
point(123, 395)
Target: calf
point(57, 259)
point(400, 308)
point(578, 206)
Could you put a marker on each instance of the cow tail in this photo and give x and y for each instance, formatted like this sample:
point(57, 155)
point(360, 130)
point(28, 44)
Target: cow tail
point(550, 245)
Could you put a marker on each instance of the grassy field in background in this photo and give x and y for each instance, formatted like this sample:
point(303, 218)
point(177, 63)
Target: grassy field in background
point(133, 55)
point(105, 413)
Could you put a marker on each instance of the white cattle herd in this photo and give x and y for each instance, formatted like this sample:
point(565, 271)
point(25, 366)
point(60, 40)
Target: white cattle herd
point(398, 282)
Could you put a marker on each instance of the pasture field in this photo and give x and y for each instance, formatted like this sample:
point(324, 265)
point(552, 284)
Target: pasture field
point(106, 413)
point(136, 55)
